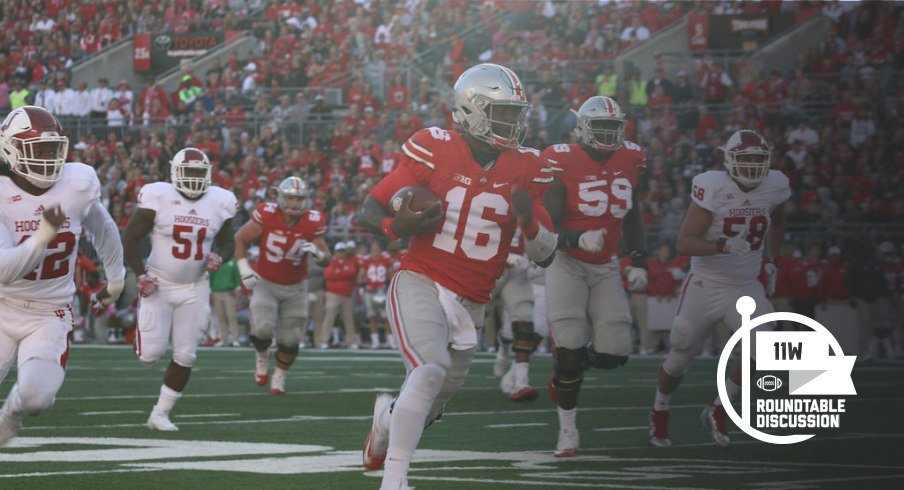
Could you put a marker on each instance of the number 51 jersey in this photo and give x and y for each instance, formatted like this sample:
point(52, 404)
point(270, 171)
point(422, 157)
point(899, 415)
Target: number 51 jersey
point(736, 212)
point(598, 195)
point(184, 229)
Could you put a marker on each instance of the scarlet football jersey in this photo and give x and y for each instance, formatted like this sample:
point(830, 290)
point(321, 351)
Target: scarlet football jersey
point(376, 271)
point(466, 252)
point(281, 258)
point(597, 195)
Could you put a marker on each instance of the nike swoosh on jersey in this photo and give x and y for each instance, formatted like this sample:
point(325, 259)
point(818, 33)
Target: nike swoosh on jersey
point(497, 185)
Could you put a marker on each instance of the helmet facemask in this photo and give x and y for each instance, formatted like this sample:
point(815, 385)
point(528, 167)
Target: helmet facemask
point(293, 196)
point(192, 178)
point(40, 160)
point(603, 133)
point(748, 167)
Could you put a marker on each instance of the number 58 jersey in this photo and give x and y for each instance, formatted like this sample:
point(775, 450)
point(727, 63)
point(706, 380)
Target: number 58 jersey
point(184, 229)
point(736, 212)
point(598, 195)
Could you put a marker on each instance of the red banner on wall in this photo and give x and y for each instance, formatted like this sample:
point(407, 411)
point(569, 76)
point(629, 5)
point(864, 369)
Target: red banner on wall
point(698, 32)
point(141, 52)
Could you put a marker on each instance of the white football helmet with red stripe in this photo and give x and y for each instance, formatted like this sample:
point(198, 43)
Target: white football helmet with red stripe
point(491, 104)
point(601, 124)
point(747, 157)
point(33, 145)
point(292, 187)
point(190, 171)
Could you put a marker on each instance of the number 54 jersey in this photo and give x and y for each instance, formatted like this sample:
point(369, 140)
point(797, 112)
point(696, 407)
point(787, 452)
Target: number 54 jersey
point(281, 259)
point(597, 195)
point(184, 229)
point(736, 212)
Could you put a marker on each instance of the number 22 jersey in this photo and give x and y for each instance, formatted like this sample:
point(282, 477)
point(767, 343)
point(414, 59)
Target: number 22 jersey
point(466, 252)
point(184, 229)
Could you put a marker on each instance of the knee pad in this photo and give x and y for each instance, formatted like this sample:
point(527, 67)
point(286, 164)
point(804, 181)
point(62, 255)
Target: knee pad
point(185, 359)
point(601, 360)
point(285, 354)
point(526, 340)
point(682, 350)
point(569, 368)
point(259, 343)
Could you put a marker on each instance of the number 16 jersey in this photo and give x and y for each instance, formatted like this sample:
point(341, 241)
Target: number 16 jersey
point(184, 229)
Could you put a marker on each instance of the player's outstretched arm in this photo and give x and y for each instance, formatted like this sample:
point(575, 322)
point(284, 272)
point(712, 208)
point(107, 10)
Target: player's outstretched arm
point(17, 260)
point(139, 226)
point(224, 243)
point(690, 238)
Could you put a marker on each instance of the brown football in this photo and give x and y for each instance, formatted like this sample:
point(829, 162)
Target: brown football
point(421, 199)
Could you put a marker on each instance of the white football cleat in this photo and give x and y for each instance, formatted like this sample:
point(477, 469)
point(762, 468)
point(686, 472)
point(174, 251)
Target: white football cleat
point(9, 424)
point(400, 484)
point(160, 421)
point(569, 442)
point(278, 382)
point(713, 418)
point(261, 367)
point(377, 441)
point(502, 361)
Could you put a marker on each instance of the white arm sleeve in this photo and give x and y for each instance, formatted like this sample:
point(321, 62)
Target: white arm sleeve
point(17, 260)
point(104, 235)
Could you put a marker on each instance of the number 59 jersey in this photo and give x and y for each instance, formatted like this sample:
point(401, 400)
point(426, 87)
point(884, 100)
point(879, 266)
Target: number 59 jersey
point(76, 192)
point(598, 195)
point(736, 212)
point(466, 252)
point(184, 229)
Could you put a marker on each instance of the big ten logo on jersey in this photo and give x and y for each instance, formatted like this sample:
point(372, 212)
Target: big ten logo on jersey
point(280, 246)
point(57, 258)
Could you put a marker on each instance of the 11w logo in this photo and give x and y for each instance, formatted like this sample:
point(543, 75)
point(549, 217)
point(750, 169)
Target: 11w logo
point(787, 351)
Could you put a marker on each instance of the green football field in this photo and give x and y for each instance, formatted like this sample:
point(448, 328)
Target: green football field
point(236, 435)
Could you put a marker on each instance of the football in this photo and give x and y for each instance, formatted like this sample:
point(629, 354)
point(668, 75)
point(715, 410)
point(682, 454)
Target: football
point(769, 383)
point(421, 199)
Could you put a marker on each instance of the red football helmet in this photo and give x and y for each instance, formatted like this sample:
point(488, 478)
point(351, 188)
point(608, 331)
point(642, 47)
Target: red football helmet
point(747, 157)
point(33, 145)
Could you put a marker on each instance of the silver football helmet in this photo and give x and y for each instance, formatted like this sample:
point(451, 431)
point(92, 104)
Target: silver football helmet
point(601, 124)
point(292, 187)
point(747, 157)
point(491, 104)
point(190, 171)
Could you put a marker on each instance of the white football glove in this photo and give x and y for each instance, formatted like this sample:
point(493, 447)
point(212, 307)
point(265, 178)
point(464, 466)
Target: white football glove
point(214, 261)
point(517, 261)
point(637, 279)
point(737, 245)
point(312, 249)
point(249, 277)
point(592, 241)
point(771, 276)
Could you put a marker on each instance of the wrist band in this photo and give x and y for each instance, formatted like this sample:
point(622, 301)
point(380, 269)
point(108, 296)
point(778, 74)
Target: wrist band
point(386, 225)
point(530, 231)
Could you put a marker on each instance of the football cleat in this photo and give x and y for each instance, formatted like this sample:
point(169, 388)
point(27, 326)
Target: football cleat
point(278, 382)
point(9, 424)
point(261, 367)
point(399, 484)
point(659, 428)
point(569, 441)
point(160, 421)
point(377, 441)
point(713, 418)
point(524, 394)
point(502, 361)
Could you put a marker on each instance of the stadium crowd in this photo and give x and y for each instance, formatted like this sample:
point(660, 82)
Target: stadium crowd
point(833, 118)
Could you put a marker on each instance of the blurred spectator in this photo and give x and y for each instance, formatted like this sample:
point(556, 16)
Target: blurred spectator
point(339, 284)
point(866, 282)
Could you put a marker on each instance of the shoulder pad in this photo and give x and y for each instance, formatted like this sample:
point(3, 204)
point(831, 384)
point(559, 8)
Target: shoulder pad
point(83, 177)
point(424, 145)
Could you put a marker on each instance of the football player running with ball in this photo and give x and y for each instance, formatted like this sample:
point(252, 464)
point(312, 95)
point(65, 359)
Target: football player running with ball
point(488, 185)
point(731, 214)
point(593, 199)
point(287, 233)
point(186, 218)
point(46, 205)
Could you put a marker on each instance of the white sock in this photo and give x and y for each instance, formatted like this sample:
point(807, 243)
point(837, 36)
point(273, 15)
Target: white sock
point(732, 388)
point(375, 338)
point(662, 401)
point(384, 418)
point(391, 339)
point(521, 374)
point(335, 335)
point(168, 399)
point(408, 417)
point(568, 419)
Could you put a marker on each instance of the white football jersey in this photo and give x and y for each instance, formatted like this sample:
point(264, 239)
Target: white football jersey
point(184, 229)
point(737, 212)
point(76, 192)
